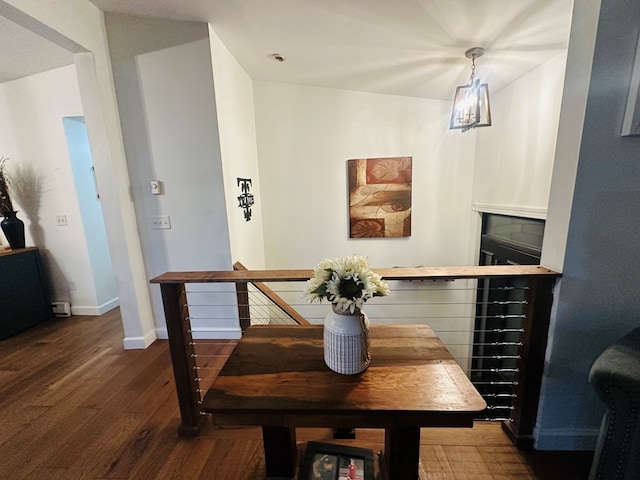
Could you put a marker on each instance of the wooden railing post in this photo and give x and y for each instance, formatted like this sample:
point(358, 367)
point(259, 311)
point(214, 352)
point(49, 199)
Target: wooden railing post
point(539, 297)
point(183, 358)
point(242, 296)
point(244, 313)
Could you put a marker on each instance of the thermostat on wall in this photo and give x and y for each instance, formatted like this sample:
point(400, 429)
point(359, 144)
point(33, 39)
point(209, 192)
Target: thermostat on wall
point(156, 187)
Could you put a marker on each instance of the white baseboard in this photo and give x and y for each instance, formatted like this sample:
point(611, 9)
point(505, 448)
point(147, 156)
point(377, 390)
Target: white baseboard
point(221, 333)
point(138, 343)
point(566, 439)
point(95, 310)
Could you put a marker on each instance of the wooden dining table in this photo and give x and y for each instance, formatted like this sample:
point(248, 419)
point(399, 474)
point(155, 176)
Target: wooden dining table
point(276, 378)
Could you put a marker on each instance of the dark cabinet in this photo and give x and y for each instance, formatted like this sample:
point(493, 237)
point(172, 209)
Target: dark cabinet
point(24, 294)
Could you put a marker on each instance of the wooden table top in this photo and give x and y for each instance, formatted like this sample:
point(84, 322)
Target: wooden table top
point(277, 376)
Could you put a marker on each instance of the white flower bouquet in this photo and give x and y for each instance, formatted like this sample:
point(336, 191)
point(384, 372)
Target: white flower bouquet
point(347, 282)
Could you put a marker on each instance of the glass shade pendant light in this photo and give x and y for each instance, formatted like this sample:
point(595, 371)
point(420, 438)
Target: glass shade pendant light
point(471, 107)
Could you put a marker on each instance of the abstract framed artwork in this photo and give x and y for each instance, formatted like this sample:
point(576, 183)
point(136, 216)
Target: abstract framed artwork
point(380, 197)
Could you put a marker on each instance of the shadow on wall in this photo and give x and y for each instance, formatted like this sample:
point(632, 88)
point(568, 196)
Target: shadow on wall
point(27, 186)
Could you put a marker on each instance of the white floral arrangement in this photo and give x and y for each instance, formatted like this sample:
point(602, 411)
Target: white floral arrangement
point(347, 282)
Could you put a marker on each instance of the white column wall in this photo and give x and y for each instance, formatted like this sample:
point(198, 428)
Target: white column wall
point(164, 83)
point(236, 121)
point(177, 92)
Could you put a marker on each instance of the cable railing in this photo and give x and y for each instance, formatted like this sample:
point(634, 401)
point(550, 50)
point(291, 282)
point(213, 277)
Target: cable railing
point(493, 320)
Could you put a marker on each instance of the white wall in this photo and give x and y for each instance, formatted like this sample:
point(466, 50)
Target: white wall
point(182, 132)
point(573, 105)
point(514, 157)
point(305, 137)
point(164, 83)
point(236, 121)
point(31, 113)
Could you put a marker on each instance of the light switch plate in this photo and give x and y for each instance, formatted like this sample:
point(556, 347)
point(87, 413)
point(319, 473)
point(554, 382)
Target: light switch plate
point(161, 222)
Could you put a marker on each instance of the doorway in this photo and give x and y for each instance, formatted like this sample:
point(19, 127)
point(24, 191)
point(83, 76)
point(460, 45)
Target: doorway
point(91, 213)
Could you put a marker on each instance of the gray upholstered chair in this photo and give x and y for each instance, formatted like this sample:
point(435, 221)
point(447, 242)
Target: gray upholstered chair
point(615, 376)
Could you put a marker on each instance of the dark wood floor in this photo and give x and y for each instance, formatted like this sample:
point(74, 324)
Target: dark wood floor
point(75, 405)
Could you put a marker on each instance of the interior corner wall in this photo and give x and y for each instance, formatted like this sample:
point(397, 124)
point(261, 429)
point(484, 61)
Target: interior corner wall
point(236, 121)
point(515, 156)
point(596, 301)
point(305, 137)
point(31, 113)
point(164, 84)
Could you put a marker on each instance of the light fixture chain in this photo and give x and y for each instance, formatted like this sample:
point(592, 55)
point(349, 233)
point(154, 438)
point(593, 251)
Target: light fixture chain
point(473, 69)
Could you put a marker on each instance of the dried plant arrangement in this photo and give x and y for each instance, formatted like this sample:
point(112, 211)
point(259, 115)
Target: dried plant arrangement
point(6, 205)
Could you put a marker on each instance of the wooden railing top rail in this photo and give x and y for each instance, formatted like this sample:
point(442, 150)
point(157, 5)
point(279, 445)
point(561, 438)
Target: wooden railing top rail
point(399, 273)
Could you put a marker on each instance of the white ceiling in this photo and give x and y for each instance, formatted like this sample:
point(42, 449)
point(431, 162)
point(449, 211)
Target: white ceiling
point(401, 47)
point(23, 53)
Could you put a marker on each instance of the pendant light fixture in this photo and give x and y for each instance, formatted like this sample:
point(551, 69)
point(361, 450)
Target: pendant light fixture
point(471, 107)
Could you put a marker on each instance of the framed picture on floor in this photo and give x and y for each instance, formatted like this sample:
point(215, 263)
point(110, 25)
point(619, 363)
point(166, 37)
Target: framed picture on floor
point(326, 461)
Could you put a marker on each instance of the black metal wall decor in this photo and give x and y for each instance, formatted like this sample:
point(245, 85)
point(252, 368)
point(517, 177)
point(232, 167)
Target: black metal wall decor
point(245, 201)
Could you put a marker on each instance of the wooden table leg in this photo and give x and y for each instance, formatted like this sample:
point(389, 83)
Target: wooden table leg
point(402, 452)
point(280, 452)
